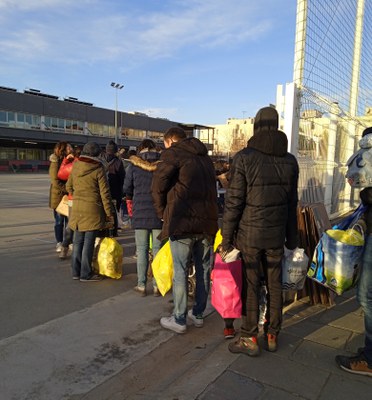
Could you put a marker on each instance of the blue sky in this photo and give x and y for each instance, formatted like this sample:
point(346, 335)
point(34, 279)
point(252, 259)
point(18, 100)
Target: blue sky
point(191, 61)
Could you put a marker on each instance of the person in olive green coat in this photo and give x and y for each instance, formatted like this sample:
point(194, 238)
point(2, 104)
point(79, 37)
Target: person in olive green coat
point(92, 209)
point(58, 189)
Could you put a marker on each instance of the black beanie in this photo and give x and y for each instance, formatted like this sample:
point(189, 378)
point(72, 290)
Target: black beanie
point(111, 147)
point(91, 149)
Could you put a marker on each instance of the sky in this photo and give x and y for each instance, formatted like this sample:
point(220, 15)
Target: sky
point(191, 61)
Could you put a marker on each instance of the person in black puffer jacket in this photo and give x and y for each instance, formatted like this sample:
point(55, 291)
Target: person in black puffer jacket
point(260, 217)
point(185, 197)
point(145, 222)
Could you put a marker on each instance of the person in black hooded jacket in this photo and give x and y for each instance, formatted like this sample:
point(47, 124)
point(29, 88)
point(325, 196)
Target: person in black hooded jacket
point(185, 197)
point(260, 217)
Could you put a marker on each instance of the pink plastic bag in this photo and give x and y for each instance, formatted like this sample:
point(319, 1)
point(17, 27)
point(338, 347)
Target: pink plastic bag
point(226, 288)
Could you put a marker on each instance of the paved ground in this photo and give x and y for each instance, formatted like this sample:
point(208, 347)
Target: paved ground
point(61, 339)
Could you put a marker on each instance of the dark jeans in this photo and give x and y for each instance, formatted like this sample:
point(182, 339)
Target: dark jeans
point(60, 222)
point(82, 254)
point(260, 264)
point(364, 295)
point(69, 233)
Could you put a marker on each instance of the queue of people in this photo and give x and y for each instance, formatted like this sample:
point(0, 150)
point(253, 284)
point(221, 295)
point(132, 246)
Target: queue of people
point(173, 194)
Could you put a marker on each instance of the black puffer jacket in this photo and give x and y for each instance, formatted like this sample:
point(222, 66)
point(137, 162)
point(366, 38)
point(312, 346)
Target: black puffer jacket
point(116, 176)
point(261, 202)
point(137, 186)
point(184, 190)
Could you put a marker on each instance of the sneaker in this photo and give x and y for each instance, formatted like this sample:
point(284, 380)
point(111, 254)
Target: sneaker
point(245, 345)
point(63, 253)
point(171, 324)
point(229, 333)
point(156, 292)
point(59, 247)
point(195, 319)
point(356, 365)
point(271, 342)
point(141, 290)
point(71, 246)
point(76, 278)
point(93, 278)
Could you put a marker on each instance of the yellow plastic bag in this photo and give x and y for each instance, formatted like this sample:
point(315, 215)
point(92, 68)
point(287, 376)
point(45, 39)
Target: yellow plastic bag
point(217, 240)
point(162, 268)
point(110, 258)
point(349, 236)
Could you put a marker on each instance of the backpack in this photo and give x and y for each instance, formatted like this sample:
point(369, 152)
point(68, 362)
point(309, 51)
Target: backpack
point(359, 172)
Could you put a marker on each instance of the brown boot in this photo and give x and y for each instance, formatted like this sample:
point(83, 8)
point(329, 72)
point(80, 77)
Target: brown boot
point(63, 254)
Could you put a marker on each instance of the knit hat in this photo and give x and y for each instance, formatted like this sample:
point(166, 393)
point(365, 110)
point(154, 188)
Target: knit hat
point(91, 149)
point(111, 147)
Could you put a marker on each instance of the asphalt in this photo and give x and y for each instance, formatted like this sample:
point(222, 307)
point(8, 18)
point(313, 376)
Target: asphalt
point(112, 347)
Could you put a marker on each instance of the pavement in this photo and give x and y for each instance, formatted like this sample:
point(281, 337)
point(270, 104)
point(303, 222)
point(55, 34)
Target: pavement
point(104, 342)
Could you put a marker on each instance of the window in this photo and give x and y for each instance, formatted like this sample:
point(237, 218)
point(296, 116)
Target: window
point(11, 119)
point(3, 118)
point(20, 120)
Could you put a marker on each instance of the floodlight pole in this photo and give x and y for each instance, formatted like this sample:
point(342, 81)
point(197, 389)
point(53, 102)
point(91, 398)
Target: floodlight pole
point(116, 86)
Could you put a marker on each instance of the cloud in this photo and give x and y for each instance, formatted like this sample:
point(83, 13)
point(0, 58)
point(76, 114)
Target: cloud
point(102, 32)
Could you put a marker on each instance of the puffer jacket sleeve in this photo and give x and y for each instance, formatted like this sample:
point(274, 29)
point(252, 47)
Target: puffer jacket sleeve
point(234, 201)
point(292, 226)
point(128, 188)
point(163, 179)
point(104, 190)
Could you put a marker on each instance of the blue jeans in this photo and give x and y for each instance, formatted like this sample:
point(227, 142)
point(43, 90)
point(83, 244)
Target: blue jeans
point(82, 254)
point(184, 251)
point(142, 238)
point(364, 295)
point(60, 222)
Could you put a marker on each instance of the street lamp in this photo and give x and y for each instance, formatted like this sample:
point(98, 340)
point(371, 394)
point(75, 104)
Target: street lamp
point(116, 86)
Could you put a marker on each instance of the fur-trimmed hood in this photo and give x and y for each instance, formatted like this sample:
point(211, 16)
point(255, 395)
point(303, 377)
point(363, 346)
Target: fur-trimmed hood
point(147, 161)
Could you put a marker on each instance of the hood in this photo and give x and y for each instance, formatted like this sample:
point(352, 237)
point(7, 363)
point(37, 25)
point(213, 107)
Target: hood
point(274, 143)
point(266, 137)
point(192, 145)
point(85, 165)
point(366, 141)
point(147, 161)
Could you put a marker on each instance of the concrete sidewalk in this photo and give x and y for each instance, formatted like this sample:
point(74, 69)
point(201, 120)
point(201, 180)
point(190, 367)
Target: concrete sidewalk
point(116, 349)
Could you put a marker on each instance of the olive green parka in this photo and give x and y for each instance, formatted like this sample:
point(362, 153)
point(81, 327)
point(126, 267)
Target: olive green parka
point(92, 204)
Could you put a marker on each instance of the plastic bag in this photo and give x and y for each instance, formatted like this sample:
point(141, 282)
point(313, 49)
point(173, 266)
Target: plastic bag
point(226, 288)
point(162, 268)
point(217, 240)
point(110, 258)
point(336, 263)
point(294, 269)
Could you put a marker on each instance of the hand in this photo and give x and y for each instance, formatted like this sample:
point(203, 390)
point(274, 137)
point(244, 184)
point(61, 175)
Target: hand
point(224, 250)
point(110, 222)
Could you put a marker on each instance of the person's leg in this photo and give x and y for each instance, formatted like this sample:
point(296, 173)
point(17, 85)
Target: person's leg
point(364, 295)
point(58, 226)
point(156, 245)
point(361, 363)
point(181, 254)
point(87, 255)
point(142, 250)
point(77, 254)
point(251, 283)
point(201, 253)
point(272, 265)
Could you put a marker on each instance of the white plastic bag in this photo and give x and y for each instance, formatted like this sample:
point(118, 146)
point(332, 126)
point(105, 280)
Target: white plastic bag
point(294, 269)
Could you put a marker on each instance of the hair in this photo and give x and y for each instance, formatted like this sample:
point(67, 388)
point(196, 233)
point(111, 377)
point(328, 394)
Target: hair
point(175, 133)
point(147, 144)
point(60, 149)
point(77, 151)
point(132, 153)
point(367, 131)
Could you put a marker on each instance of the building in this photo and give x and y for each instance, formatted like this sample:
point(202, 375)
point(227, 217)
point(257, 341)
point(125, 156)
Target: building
point(32, 122)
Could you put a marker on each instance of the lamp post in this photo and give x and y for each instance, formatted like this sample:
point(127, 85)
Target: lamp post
point(116, 86)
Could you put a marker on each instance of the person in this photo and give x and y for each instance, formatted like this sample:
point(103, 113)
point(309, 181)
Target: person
point(146, 224)
point(116, 176)
point(92, 209)
point(361, 363)
point(58, 190)
point(185, 197)
point(260, 217)
point(68, 162)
